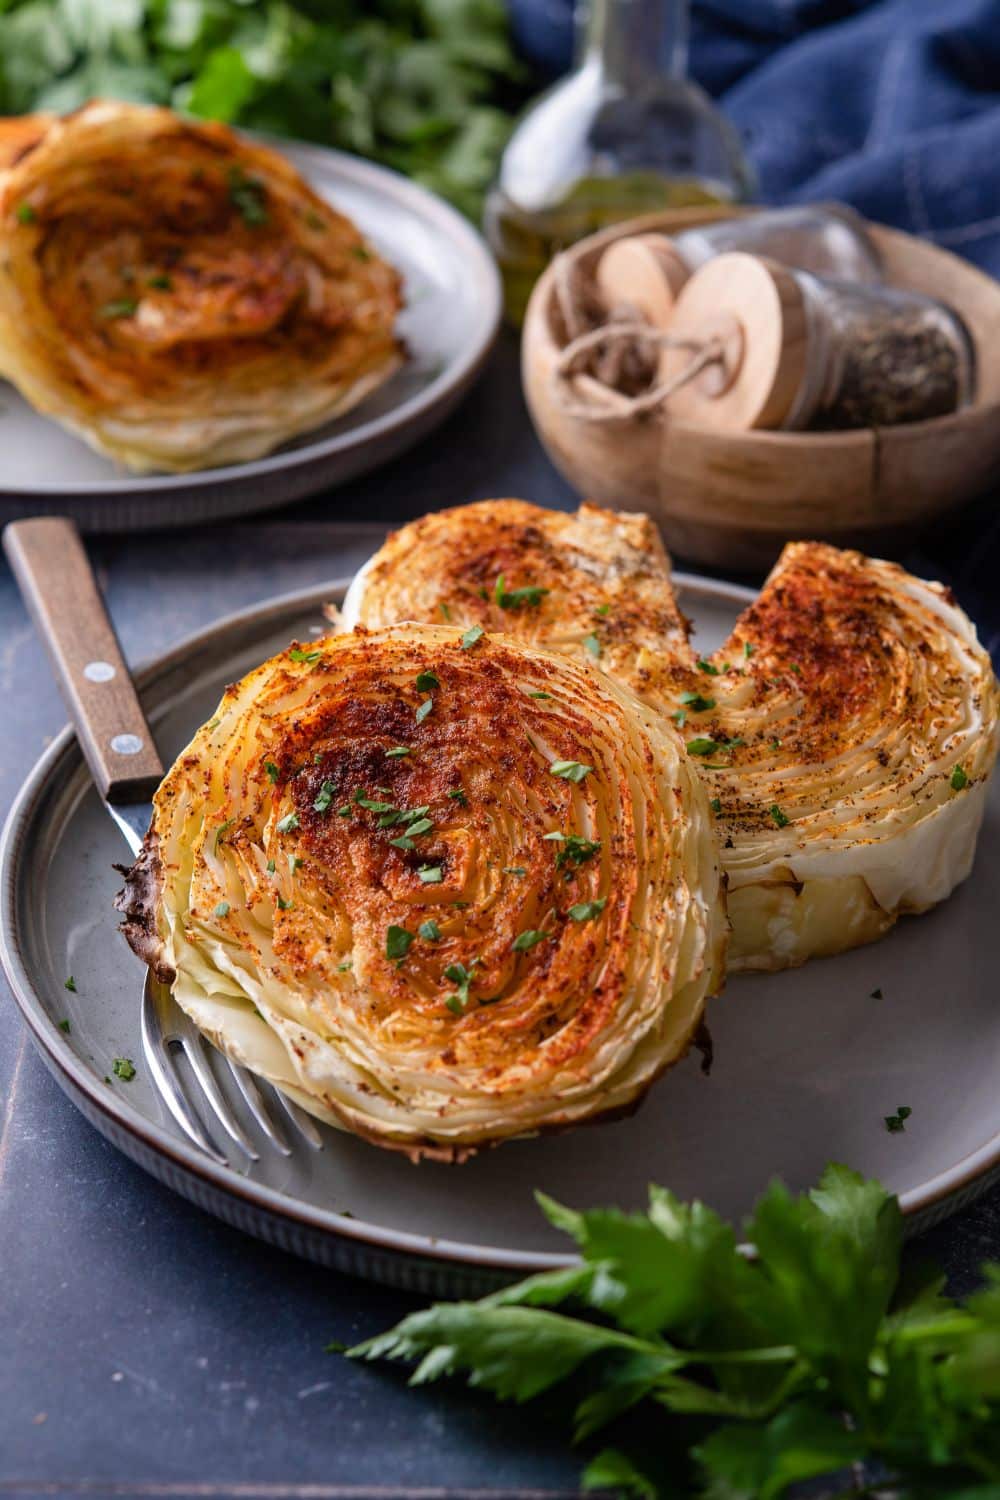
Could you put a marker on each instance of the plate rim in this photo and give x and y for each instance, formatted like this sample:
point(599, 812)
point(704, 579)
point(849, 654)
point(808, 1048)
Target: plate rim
point(453, 378)
point(922, 1202)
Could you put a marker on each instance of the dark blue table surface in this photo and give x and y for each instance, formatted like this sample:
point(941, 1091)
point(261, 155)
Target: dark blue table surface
point(146, 1349)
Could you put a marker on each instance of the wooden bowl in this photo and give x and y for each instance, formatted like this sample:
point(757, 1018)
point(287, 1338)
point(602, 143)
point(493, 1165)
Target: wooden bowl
point(733, 500)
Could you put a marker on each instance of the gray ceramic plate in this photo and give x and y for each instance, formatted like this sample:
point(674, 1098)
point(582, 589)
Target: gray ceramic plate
point(449, 324)
point(807, 1063)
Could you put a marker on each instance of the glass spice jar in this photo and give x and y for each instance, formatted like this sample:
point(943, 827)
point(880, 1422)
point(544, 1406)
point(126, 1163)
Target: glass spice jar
point(880, 357)
point(649, 271)
point(798, 352)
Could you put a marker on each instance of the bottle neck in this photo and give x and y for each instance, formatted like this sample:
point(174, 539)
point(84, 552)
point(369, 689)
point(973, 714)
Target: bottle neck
point(632, 41)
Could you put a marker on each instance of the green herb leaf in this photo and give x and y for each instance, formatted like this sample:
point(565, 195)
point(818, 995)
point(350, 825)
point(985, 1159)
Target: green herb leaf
point(25, 214)
point(586, 911)
point(297, 654)
point(397, 752)
point(696, 703)
point(527, 940)
point(424, 710)
point(273, 773)
point(282, 904)
point(706, 666)
point(575, 850)
point(324, 797)
point(959, 779)
point(716, 804)
point(123, 1068)
point(222, 910)
point(70, 984)
point(160, 283)
point(593, 645)
point(539, 695)
point(427, 682)
point(124, 307)
point(518, 598)
point(570, 770)
point(781, 819)
point(704, 746)
point(460, 797)
point(288, 823)
point(471, 636)
point(430, 931)
point(514, 870)
point(397, 942)
point(431, 874)
point(64, 1026)
point(248, 197)
point(748, 650)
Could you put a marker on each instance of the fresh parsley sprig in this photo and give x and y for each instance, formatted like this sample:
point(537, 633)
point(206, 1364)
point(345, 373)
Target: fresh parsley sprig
point(744, 1376)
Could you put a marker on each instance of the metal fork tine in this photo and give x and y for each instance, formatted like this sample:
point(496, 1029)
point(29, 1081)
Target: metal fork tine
point(190, 1040)
point(304, 1124)
point(157, 1055)
point(258, 1108)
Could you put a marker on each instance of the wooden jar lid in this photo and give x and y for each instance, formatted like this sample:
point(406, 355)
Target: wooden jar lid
point(757, 308)
point(644, 272)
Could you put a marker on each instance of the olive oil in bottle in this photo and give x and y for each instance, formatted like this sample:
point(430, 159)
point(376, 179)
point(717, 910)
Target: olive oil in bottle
point(626, 133)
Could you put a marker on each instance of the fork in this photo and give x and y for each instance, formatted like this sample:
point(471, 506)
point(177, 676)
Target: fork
point(59, 588)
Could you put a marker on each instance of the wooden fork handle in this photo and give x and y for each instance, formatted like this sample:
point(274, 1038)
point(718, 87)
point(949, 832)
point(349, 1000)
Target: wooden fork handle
point(58, 584)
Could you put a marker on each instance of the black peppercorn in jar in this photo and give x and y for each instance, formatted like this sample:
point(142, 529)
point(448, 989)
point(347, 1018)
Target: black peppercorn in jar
point(797, 352)
point(881, 356)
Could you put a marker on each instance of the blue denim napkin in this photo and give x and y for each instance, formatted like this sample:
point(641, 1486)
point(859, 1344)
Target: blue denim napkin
point(892, 105)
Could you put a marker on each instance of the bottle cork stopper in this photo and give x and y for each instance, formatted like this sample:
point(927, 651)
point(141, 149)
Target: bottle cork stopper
point(644, 272)
point(756, 310)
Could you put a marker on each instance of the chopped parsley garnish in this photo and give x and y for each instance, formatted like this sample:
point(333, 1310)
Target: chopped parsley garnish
point(603, 609)
point(570, 770)
point(959, 780)
point(706, 666)
point(526, 940)
point(418, 825)
point(272, 770)
point(397, 942)
point(346, 966)
point(64, 1026)
point(445, 610)
point(679, 718)
point(289, 823)
point(427, 682)
point(222, 830)
point(248, 197)
point(402, 842)
point(704, 746)
point(70, 984)
point(25, 214)
point(575, 850)
point(373, 805)
point(284, 905)
point(586, 911)
point(775, 743)
point(460, 797)
point(431, 874)
point(514, 870)
point(361, 252)
point(430, 931)
point(294, 863)
point(471, 636)
point(748, 650)
point(222, 910)
point(539, 695)
point(593, 645)
point(297, 654)
point(123, 1068)
point(270, 867)
point(781, 819)
point(462, 977)
point(716, 805)
point(397, 752)
point(517, 598)
point(124, 307)
point(696, 703)
point(344, 811)
point(424, 710)
point(324, 797)
point(897, 1122)
point(161, 282)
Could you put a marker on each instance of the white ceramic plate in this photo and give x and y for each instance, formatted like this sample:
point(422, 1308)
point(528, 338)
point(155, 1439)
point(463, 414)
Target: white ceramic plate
point(807, 1063)
point(449, 324)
